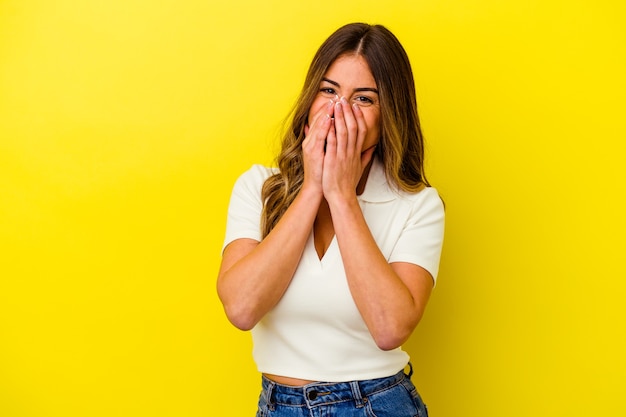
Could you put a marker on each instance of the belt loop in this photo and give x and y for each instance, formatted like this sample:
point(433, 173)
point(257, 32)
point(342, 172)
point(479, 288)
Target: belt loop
point(410, 370)
point(356, 393)
point(269, 393)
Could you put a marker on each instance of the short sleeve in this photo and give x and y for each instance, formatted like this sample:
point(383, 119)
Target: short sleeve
point(246, 205)
point(421, 240)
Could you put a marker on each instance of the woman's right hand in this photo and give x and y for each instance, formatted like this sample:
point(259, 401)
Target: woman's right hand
point(254, 275)
point(313, 146)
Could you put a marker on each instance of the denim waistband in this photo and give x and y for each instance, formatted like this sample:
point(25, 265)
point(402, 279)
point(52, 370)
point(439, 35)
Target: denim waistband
point(321, 393)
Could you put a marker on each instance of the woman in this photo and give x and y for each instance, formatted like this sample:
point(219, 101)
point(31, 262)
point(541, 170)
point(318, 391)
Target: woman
point(330, 258)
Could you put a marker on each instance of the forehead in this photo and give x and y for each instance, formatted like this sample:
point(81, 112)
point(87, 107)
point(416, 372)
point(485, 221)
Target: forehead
point(351, 69)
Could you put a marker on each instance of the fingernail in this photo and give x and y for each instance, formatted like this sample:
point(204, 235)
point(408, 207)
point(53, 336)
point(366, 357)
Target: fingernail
point(338, 106)
point(343, 100)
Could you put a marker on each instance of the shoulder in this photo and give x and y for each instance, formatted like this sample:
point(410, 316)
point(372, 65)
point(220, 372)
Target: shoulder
point(424, 203)
point(379, 189)
point(427, 196)
point(257, 172)
point(254, 177)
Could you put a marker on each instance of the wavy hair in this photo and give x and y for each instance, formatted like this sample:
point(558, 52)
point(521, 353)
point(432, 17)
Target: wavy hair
point(401, 146)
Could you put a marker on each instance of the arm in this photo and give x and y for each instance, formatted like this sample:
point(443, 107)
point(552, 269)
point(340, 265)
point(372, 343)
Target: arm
point(254, 275)
point(390, 297)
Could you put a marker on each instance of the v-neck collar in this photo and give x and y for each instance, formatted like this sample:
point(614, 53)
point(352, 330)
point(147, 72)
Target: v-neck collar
point(329, 254)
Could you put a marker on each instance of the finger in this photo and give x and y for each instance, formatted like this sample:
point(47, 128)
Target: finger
point(323, 111)
point(351, 126)
point(341, 131)
point(362, 126)
point(330, 145)
point(319, 138)
point(326, 110)
point(317, 129)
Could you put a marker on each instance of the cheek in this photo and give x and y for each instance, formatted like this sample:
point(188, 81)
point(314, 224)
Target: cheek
point(373, 125)
point(373, 131)
point(316, 107)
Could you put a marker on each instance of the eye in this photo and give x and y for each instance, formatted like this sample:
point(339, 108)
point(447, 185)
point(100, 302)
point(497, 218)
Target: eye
point(363, 101)
point(328, 91)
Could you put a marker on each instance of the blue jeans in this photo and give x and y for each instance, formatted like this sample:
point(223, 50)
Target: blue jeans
point(393, 396)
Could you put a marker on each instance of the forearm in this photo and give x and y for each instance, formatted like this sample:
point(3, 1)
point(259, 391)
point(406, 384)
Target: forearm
point(385, 302)
point(253, 277)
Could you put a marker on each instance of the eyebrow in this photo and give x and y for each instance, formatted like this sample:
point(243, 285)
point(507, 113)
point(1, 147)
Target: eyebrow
point(336, 84)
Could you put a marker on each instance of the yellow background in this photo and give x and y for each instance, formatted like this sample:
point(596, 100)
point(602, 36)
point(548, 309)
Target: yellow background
point(123, 125)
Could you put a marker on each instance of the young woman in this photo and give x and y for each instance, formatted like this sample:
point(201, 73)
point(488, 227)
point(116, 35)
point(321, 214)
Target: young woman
point(330, 258)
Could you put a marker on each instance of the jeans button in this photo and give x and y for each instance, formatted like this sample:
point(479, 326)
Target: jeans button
point(312, 395)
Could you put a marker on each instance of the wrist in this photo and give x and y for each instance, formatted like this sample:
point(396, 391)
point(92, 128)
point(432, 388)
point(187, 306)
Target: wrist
point(311, 193)
point(340, 203)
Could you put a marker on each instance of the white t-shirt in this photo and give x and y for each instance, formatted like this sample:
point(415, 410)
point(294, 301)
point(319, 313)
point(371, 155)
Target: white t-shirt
point(315, 331)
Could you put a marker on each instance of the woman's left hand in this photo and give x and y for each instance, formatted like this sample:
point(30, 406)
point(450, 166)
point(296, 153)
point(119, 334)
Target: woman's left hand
point(345, 159)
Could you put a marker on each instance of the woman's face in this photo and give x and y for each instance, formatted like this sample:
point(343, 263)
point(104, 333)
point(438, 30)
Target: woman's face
point(350, 77)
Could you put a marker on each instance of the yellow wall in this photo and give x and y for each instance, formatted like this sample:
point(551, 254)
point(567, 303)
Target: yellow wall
point(123, 125)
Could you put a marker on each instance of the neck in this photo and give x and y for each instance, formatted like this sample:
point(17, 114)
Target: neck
point(361, 185)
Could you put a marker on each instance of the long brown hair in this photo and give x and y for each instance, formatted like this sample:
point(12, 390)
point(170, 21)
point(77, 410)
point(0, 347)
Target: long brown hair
point(401, 146)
